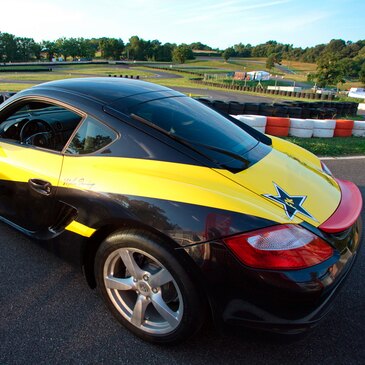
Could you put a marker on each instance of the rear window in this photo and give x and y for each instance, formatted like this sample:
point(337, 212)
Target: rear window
point(194, 122)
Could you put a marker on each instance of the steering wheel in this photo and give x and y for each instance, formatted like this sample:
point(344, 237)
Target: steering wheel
point(30, 133)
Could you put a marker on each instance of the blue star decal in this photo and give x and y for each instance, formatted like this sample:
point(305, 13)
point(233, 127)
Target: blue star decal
point(292, 203)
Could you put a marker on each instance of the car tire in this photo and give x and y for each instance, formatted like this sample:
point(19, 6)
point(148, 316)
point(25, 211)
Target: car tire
point(148, 288)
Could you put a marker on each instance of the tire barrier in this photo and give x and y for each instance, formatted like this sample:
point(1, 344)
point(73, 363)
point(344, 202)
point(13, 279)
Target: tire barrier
point(236, 107)
point(302, 128)
point(277, 126)
point(221, 105)
point(257, 122)
point(344, 128)
point(359, 128)
point(280, 111)
point(324, 128)
point(294, 112)
point(252, 108)
point(277, 131)
point(126, 76)
point(314, 113)
point(266, 109)
point(289, 109)
point(294, 118)
point(206, 101)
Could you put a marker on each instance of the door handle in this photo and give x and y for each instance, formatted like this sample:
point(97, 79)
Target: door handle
point(40, 186)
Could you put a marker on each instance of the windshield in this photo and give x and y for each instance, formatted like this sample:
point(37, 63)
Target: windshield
point(189, 120)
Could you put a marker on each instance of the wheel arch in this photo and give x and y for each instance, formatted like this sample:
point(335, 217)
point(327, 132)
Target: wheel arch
point(92, 244)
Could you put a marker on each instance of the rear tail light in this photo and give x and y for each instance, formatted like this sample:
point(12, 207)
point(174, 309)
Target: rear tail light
point(282, 247)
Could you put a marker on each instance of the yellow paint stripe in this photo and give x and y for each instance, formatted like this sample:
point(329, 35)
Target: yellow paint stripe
point(19, 163)
point(80, 229)
point(295, 151)
point(165, 180)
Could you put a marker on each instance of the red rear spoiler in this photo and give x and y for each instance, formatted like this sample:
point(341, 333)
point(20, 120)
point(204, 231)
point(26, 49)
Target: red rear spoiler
point(347, 212)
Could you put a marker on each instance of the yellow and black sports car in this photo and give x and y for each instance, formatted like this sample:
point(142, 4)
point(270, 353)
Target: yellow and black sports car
point(176, 212)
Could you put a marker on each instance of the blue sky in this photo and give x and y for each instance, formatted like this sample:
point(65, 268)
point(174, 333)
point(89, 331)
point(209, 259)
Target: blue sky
point(219, 24)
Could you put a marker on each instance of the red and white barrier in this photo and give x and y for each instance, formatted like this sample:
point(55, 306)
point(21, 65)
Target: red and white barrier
point(304, 128)
point(359, 128)
point(257, 122)
point(324, 128)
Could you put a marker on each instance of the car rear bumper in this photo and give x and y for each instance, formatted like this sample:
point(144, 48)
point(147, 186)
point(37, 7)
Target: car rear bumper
point(278, 301)
point(239, 312)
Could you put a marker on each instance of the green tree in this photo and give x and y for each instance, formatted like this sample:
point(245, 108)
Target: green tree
point(182, 53)
point(329, 73)
point(60, 44)
point(8, 47)
point(362, 74)
point(87, 50)
point(37, 50)
point(350, 67)
point(228, 53)
point(71, 47)
point(27, 49)
point(164, 53)
point(331, 69)
point(243, 50)
point(361, 54)
point(111, 48)
point(313, 53)
point(50, 48)
point(270, 62)
point(94, 44)
point(135, 48)
point(200, 46)
point(336, 48)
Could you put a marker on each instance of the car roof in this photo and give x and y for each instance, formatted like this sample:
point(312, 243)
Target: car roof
point(104, 89)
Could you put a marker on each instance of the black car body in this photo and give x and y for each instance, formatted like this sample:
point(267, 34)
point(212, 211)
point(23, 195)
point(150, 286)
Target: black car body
point(94, 167)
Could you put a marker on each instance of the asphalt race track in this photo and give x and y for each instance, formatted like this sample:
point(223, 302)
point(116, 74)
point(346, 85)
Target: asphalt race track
point(48, 315)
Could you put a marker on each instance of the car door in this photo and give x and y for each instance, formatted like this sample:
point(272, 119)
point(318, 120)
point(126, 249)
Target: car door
point(30, 171)
point(28, 183)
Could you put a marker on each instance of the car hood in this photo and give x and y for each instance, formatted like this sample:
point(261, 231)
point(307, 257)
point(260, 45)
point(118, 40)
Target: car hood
point(292, 180)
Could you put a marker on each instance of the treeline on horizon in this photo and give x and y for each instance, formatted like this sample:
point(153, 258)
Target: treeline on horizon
point(22, 49)
point(336, 60)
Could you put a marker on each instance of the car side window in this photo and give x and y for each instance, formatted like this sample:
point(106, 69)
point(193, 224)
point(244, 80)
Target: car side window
point(92, 136)
point(39, 124)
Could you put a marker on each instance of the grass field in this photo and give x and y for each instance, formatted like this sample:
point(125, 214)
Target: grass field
point(13, 87)
point(233, 64)
point(35, 76)
point(65, 72)
point(198, 65)
point(300, 67)
point(337, 146)
point(101, 70)
point(208, 66)
point(23, 68)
